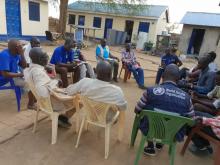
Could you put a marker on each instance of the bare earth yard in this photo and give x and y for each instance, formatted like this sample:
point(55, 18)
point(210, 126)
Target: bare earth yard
point(35, 149)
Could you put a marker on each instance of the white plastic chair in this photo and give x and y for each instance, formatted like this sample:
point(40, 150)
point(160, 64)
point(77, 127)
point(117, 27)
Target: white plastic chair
point(96, 114)
point(44, 105)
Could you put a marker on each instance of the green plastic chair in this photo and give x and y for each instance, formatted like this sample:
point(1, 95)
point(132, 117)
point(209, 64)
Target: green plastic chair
point(163, 127)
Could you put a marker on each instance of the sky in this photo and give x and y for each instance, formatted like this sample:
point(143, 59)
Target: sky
point(177, 8)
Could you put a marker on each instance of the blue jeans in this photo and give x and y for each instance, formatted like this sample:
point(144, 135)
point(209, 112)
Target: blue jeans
point(159, 75)
point(138, 75)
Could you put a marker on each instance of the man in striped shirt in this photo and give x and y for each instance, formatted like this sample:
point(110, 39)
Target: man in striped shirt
point(167, 97)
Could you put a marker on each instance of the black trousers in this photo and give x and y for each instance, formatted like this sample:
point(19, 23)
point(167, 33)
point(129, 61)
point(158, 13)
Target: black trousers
point(201, 142)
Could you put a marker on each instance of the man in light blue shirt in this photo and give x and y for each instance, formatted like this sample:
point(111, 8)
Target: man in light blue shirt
point(103, 54)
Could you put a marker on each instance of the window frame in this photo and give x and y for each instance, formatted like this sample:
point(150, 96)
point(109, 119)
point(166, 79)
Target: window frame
point(69, 19)
point(99, 23)
point(32, 14)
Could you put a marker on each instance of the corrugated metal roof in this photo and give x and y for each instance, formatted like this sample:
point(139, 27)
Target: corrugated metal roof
point(202, 19)
point(120, 9)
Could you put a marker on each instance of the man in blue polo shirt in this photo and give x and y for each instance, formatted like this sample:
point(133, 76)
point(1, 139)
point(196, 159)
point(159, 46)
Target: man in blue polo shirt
point(103, 53)
point(62, 58)
point(169, 58)
point(11, 60)
point(167, 97)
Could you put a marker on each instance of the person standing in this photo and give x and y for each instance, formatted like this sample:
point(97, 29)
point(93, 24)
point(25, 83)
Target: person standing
point(103, 53)
point(129, 59)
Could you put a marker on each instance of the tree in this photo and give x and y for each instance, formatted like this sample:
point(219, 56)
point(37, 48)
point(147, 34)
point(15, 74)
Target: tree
point(131, 5)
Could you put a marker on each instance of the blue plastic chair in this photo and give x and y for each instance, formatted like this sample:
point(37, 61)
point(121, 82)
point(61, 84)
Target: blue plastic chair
point(12, 86)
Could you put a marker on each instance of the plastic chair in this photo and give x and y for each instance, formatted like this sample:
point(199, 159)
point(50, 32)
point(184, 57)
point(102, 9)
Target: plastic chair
point(44, 105)
point(79, 35)
point(16, 89)
point(127, 74)
point(96, 114)
point(163, 128)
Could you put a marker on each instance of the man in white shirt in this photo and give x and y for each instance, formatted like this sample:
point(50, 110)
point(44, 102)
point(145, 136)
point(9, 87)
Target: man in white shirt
point(34, 42)
point(37, 75)
point(100, 89)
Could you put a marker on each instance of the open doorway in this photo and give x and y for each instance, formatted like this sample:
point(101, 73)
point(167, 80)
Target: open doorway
point(129, 29)
point(195, 42)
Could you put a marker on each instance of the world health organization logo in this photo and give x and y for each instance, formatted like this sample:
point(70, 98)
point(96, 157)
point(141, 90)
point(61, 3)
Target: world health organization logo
point(158, 91)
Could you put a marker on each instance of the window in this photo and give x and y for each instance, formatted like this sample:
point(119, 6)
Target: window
point(81, 20)
point(97, 21)
point(34, 11)
point(143, 27)
point(72, 19)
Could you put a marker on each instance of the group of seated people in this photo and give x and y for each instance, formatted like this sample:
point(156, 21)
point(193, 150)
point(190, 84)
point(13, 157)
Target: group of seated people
point(197, 97)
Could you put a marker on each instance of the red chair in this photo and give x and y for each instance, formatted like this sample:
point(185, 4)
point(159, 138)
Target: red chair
point(127, 74)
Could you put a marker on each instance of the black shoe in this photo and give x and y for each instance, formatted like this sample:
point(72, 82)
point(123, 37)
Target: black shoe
point(142, 87)
point(63, 122)
point(159, 146)
point(149, 151)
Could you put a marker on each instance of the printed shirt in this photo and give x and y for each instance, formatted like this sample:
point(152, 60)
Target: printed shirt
point(103, 52)
point(60, 55)
point(100, 91)
point(8, 63)
point(214, 123)
point(206, 82)
point(167, 97)
point(129, 57)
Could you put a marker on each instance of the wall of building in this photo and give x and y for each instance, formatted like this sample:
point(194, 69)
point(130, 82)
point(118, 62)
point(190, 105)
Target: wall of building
point(161, 24)
point(209, 43)
point(3, 27)
point(118, 24)
point(34, 28)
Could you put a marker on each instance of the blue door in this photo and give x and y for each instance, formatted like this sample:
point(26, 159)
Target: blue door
point(81, 20)
point(108, 25)
point(144, 27)
point(13, 18)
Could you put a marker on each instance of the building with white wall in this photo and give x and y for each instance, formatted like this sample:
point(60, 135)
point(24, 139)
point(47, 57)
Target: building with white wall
point(23, 19)
point(200, 34)
point(150, 19)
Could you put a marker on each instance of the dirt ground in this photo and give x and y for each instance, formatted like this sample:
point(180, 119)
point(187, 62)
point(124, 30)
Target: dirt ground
point(35, 149)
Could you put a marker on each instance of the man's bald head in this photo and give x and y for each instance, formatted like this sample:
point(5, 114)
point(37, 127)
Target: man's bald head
point(13, 45)
point(104, 71)
point(38, 56)
point(171, 73)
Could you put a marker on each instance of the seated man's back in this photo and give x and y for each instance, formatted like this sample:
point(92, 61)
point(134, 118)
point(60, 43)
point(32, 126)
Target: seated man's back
point(100, 89)
point(167, 97)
